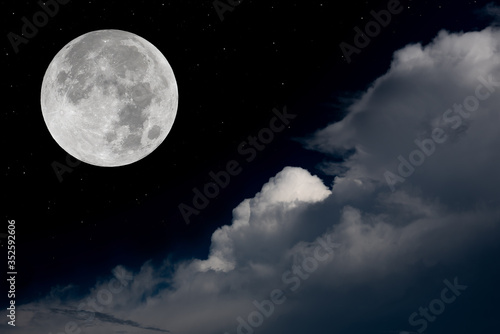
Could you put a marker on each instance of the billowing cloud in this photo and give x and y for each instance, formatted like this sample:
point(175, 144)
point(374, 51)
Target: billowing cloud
point(264, 218)
point(302, 255)
point(434, 115)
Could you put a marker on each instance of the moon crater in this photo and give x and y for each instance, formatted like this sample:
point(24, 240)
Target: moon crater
point(109, 98)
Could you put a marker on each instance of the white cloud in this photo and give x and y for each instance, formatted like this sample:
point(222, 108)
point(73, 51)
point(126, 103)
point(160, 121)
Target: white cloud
point(290, 188)
point(408, 102)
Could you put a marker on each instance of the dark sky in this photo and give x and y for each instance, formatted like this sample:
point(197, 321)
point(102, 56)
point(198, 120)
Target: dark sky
point(231, 74)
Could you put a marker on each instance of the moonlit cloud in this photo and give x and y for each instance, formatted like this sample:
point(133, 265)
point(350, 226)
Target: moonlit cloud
point(410, 101)
point(262, 216)
point(385, 240)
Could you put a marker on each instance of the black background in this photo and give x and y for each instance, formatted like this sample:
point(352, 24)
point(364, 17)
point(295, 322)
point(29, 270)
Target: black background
point(230, 75)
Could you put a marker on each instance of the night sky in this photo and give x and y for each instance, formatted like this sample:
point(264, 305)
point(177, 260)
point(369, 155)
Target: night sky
point(234, 75)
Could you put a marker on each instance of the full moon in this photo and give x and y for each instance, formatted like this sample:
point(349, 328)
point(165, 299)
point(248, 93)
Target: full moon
point(109, 98)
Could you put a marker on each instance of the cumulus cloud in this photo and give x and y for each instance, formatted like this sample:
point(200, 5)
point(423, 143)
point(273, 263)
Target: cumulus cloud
point(420, 93)
point(264, 216)
point(353, 251)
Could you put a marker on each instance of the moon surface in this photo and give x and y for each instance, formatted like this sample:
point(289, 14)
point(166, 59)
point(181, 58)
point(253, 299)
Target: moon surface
point(109, 98)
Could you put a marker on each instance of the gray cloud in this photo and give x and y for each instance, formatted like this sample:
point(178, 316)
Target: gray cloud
point(103, 317)
point(444, 216)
